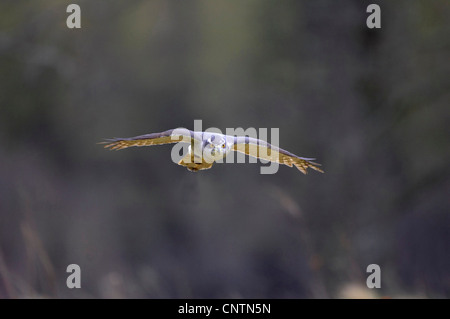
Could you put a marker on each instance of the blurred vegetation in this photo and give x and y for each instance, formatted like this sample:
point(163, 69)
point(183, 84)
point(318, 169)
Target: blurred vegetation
point(371, 105)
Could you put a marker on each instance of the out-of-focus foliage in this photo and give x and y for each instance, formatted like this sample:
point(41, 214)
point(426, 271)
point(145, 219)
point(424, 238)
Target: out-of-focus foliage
point(371, 105)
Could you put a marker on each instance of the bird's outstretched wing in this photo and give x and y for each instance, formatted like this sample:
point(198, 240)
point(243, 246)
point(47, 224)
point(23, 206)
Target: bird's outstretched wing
point(167, 137)
point(261, 149)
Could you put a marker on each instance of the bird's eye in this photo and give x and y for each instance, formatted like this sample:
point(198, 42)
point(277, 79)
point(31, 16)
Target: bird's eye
point(223, 145)
point(211, 145)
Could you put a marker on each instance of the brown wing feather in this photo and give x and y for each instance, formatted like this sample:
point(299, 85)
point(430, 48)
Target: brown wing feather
point(261, 149)
point(166, 137)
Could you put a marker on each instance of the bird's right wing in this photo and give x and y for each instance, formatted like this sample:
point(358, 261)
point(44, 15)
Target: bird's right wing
point(167, 137)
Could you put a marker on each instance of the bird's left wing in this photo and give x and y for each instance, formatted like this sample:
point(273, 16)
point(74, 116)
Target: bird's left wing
point(167, 137)
point(261, 149)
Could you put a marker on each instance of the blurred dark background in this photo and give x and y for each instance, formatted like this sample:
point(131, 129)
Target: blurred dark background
point(371, 105)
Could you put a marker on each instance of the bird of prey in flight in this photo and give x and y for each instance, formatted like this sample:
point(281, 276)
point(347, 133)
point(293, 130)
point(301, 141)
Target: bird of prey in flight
point(205, 148)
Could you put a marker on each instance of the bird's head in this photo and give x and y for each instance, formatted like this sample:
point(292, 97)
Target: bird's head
point(216, 147)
